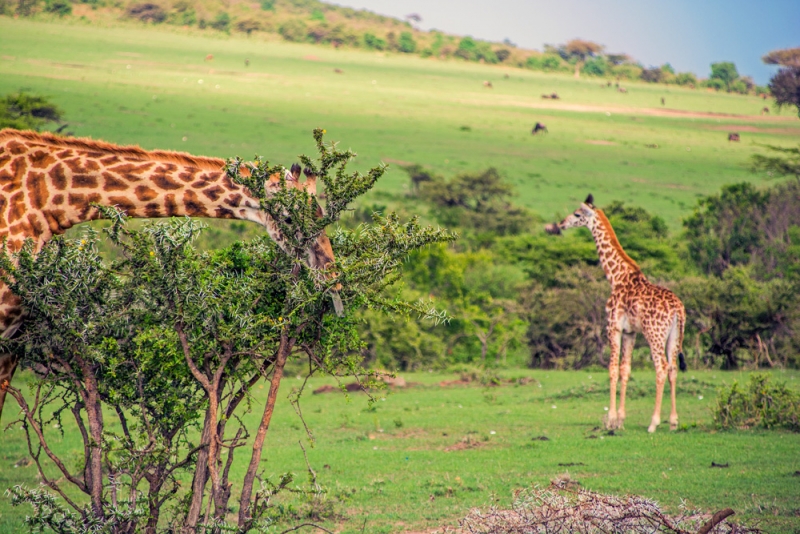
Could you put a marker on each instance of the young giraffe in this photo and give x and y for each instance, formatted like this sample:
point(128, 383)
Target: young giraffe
point(49, 183)
point(635, 305)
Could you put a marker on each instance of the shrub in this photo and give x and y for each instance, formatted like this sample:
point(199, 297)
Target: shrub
point(147, 12)
point(268, 5)
point(502, 54)
point(546, 62)
point(406, 43)
point(58, 7)
point(472, 50)
point(763, 403)
point(248, 26)
point(652, 75)
point(222, 22)
point(685, 78)
point(373, 42)
point(596, 66)
point(293, 30)
point(26, 111)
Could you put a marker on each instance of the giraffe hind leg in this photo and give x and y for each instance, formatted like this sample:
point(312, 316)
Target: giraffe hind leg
point(674, 353)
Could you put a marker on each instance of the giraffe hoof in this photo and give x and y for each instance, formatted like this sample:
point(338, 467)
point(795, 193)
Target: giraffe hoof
point(651, 428)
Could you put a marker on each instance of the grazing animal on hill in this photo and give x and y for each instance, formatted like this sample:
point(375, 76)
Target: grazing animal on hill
point(551, 96)
point(246, 62)
point(733, 137)
point(663, 103)
point(539, 127)
point(765, 110)
point(622, 90)
point(338, 71)
point(487, 83)
point(636, 305)
point(52, 183)
point(209, 57)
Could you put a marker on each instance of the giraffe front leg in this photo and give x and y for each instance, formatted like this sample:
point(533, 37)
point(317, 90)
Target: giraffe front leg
point(628, 340)
point(614, 338)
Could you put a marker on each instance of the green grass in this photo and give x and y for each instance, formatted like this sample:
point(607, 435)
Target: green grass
point(130, 84)
point(389, 461)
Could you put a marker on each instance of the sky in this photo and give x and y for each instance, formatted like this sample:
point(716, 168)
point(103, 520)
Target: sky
point(689, 34)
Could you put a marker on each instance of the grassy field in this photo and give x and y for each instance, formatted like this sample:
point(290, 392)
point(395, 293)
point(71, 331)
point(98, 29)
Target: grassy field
point(154, 88)
point(393, 465)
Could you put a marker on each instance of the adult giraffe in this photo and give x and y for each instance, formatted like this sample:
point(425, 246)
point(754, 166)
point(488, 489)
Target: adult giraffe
point(635, 305)
point(49, 184)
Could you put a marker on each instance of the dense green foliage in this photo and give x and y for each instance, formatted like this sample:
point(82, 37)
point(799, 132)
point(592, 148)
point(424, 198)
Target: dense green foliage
point(735, 266)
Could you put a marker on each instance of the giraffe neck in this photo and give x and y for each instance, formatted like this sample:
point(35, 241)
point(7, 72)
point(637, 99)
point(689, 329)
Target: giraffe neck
point(48, 184)
point(617, 265)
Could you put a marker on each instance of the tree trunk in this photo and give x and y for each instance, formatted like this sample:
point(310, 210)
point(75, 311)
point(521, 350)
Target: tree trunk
point(284, 349)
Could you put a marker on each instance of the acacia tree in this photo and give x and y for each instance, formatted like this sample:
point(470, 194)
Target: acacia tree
point(578, 51)
point(785, 85)
point(154, 356)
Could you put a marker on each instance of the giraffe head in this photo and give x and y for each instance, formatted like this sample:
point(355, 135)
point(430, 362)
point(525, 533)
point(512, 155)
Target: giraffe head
point(585, 215)
point(320, 255)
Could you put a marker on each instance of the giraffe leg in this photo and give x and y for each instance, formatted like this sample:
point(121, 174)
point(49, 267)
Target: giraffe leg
point(628, 340)
point(660, 362)
point(614, 339)
point(8, 364)
point(673, 349)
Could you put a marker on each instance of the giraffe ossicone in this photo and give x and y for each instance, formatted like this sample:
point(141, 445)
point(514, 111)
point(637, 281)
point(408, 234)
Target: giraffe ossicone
point(50, 183)
point(636, 305)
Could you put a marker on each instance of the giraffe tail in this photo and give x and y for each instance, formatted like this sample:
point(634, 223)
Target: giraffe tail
point(682, 361)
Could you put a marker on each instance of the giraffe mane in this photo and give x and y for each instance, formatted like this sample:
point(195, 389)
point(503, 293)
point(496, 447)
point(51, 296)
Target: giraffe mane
point(614, 241)
point(134, 152)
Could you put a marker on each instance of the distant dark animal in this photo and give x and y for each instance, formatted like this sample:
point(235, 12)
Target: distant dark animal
point(622, 90)
point(733, 137)
point(608, 84)
point(246, 62)
point(763, 96)
point(765, 110)
point(551, 96)
point(338, 71)
point(662, 101)
point(487, 83)
point(210, 57)
point(539, 127)
point(506, 76)
point(651, 145)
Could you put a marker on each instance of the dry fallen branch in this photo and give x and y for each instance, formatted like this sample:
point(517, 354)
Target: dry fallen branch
point(557, 510)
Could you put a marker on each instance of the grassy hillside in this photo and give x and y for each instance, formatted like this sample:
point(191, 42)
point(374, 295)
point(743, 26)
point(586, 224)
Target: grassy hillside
point(155, 88)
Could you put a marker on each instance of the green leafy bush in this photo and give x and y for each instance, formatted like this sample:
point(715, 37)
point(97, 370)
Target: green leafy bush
point(222, 22)
point(58, 7)
point(406, 43)
point(761, 403)
point(27, 111)
point(293, 30)
point(373, 42)
point(147, 12)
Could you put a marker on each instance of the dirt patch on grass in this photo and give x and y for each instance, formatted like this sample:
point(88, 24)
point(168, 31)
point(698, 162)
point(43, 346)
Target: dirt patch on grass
point(311, 57)
point(465, 444)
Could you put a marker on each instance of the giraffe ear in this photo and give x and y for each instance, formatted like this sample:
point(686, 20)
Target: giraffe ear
point(589, 200)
